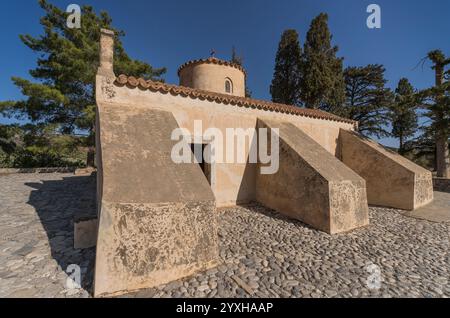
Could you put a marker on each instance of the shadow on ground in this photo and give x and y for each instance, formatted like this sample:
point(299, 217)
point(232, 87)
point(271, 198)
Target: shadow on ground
point(58, 203)
point(436, 211)
point(256, 207)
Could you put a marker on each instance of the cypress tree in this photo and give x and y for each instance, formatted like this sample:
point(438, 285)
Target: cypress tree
point(403, 113)
point(323, 82)
point(287, 77)
point(235, 58)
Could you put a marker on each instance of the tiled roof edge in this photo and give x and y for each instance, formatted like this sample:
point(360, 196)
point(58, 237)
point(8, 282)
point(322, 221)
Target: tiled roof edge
point(130, 81)
point(212, 60)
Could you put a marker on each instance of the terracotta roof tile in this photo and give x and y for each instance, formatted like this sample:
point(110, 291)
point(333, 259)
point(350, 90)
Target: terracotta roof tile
point(212, 60)
point(130, 81)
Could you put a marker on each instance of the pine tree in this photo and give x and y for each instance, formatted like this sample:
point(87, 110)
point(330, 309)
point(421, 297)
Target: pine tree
point(403, 113)
point(323, 82)
point(63, 94)
point(367, 99)
point(287, 76)
point(437, 104)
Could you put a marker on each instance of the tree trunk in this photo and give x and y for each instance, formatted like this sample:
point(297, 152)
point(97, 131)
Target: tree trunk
point(90, 159)
point(442, 155)
point(400, 150)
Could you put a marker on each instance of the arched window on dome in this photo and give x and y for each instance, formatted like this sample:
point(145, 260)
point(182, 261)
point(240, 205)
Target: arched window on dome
point(228, 86)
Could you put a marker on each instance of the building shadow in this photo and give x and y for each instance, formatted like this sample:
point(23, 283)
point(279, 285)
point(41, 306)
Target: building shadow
point(58, 203)
point(256, 207)
point(246, 197)
point(247, 188)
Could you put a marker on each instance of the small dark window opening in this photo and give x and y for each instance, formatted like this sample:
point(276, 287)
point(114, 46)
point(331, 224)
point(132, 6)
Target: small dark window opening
point(228, 86)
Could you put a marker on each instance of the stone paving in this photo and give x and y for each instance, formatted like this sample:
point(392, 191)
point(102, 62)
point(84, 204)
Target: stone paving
point(36, 234)
point(263, 254)
point(436, 211)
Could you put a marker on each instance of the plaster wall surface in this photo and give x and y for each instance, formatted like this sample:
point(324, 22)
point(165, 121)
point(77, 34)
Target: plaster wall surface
point(211, 77)
point(312, 185)
point(85, 233)
point(391, 179)
point(233, 183)
point(157, 219)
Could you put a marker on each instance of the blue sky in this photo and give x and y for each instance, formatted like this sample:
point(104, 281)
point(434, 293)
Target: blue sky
point(168, 33)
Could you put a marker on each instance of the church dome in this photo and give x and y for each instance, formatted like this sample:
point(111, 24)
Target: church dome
point(214, 75)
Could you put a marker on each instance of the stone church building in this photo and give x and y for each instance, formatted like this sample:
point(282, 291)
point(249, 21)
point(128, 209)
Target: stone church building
point(157, 219)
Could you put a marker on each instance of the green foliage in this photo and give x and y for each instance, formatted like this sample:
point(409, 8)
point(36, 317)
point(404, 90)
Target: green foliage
point(63, 96)
point(235, 58)
point(436, 101)
point(438, 58)
point(438, 109)
point(32, 146)
point(36, 157)
point(322, 85)
point(421, 150)
point(9, 139)
point(239, 60)
point(367, 99)
point(287, 77)
point(435, 131)
point(403, 113)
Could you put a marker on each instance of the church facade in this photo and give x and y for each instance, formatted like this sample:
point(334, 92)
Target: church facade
point(158, 218)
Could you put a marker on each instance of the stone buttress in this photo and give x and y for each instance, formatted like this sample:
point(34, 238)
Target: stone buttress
point(311, 184)
point(391, 179)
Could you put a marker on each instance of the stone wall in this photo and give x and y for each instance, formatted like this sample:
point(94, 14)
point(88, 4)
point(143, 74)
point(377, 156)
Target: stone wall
point(312, 185)
point(441, 184)
point(38, 170)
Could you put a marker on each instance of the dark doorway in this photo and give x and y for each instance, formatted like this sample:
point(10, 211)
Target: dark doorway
point(198, 151)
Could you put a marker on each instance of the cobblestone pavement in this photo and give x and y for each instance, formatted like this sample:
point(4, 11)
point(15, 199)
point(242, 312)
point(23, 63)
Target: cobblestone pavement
point(36, 234)
point(263, 254)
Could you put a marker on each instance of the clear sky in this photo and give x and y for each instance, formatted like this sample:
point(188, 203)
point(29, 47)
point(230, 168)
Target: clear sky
point(170, 32)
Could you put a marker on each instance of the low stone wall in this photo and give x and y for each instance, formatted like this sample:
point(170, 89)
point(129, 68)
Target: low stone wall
point(441, 184)
point(85, 233)
point(38, 170)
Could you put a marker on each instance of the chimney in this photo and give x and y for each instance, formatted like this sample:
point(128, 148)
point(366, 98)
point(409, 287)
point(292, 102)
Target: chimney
point(106, 53)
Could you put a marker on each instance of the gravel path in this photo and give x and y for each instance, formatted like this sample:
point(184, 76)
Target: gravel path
point(263, 253)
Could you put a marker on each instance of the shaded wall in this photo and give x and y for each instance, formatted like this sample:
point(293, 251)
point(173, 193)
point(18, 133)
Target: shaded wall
point(441, 184)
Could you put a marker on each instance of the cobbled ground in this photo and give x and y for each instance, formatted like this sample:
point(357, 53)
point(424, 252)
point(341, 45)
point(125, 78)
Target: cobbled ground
point(263, 254)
